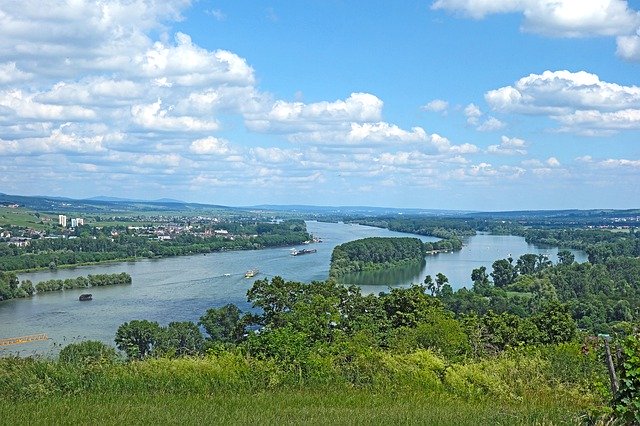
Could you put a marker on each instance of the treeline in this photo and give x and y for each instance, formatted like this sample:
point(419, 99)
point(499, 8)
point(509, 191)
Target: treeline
point(51, 253)
point(11, 288)
point(601, 298)
point(600, 245)
point(445, 228)
point(373, 253)
point(297, 320)
point(98, 280)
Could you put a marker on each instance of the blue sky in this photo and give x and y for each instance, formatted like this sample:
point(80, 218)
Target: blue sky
point(453, 104)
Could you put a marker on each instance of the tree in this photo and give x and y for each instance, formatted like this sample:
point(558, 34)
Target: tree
point(555, 324)
point(542, 262)
point(138, 338)
point(441, 280)
point(479, 275)
point(181, 338)
point(526, 264)
point(565, 257)
point(430, 285)
point(223, 324)
point(504, 273)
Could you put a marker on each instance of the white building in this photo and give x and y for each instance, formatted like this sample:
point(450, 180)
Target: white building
point(62, 220)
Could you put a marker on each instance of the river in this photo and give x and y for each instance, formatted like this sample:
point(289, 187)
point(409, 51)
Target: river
point(183, 288)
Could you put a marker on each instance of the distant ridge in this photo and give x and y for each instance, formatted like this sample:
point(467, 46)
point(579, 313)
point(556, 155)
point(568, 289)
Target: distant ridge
point(131, 200)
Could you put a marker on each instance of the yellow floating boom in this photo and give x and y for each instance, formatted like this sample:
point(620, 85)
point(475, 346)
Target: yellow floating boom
point(22, 339)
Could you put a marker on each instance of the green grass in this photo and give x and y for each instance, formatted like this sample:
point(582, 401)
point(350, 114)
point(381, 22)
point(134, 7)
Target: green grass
point(315, 406)
point(23, 218)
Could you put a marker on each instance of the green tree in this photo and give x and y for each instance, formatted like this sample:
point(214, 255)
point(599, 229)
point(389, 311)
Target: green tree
point(504, 273)
point(138, 338)
point(223, 324)
point(181, 338)
point(565, 257)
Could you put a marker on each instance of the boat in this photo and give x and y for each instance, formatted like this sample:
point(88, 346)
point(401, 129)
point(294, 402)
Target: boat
point(227, 275)
point(295, 252)
point(85, 297)
point(251, 273)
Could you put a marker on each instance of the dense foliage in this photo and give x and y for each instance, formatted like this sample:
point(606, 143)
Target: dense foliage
point(10, 288)
point(375, 253)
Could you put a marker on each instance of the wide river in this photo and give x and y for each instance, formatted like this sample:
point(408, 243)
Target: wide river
point(183, 288)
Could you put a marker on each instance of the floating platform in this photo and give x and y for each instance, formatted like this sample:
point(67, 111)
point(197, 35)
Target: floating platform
point(23, 339)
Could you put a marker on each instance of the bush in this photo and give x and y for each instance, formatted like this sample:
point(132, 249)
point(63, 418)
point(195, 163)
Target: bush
point(87, 352)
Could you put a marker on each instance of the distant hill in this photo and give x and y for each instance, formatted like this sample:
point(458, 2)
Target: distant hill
point(130, 200)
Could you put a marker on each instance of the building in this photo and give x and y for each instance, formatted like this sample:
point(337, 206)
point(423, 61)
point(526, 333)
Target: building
point(62, 220)
point(78, 221)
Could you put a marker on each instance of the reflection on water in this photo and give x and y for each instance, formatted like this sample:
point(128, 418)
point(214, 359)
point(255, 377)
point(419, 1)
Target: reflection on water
point(386, 277)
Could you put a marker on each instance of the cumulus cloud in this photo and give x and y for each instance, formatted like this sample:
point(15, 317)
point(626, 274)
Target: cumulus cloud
point(186, 64)
point(210, 146)
point(509, 146)
point(491, 124)
point(474, 114)
point(564, 18)
point(291, 116)
point(559, 18)
point(152, 116)
point(579, 100)
point(553, 162)
point(629, 47)
point(436, 105)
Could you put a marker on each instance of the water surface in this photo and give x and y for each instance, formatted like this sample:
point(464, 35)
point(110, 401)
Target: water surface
point(183, 288)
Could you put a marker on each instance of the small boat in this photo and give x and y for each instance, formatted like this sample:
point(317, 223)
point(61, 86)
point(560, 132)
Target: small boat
point(85, 297)
point(226, 275)
point(251, 273)
point(295, 252)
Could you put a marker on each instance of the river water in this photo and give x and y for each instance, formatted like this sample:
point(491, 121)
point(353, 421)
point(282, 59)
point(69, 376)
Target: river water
point(183, 288)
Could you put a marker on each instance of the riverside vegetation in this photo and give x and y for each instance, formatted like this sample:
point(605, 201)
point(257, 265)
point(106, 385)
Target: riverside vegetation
point(517, 347)
point(375, 253)
point(11, 288)
point(400, 356)
point(102, 244)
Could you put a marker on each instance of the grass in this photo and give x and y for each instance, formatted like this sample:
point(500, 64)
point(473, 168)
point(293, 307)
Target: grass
point(23, 218)
point(309, 406)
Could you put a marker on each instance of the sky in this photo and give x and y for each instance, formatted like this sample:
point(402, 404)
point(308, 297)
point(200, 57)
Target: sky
point(436, 104)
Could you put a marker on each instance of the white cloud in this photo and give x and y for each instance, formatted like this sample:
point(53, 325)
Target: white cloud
point(473, 114)
point(186, 64)
point(553, 162)
point(491, 124)
point(153, 117)
point(210, 146)
point(629, 47)
point(617, 120)
point(10, 73)
point(436, 105)
point(379, 132)
point(558, 18)
point(288, 117)
point(579, 100)
point(509, 146)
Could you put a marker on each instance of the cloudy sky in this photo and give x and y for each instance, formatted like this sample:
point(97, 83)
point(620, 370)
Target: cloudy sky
point(453, 104)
